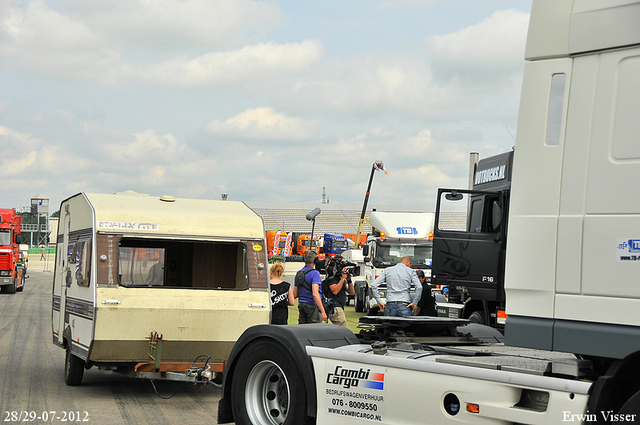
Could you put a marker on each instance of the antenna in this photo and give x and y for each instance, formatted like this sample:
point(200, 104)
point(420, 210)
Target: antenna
point(514, 139)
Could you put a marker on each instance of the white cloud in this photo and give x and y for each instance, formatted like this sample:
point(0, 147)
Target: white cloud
point(263, 123)
point(53, 43)
point(114, 40)
point(37, 158)
point(485, 52)
point(171, 24)
point(253, 64)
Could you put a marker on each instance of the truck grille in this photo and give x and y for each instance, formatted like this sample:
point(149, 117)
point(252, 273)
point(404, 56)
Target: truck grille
point(5, 263)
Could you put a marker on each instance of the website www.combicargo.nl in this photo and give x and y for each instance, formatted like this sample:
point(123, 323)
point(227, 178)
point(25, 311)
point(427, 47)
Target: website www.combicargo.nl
point(362, 415)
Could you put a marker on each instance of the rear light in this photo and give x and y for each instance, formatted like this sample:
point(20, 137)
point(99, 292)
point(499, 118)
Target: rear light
point(502, 317)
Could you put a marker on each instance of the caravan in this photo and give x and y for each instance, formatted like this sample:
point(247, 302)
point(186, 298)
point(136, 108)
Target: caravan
point(147, 285)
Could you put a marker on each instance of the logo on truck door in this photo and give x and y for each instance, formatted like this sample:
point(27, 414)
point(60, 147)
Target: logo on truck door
point(626, 247)
point(356, 391)
point(348, 378)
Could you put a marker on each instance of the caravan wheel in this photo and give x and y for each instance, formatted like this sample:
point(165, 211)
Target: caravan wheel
point(73, 369)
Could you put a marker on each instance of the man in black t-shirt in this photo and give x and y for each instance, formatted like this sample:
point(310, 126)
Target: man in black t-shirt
point(427, 303)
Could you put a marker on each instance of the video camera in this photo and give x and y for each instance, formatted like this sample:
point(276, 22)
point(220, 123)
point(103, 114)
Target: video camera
point(335, 266)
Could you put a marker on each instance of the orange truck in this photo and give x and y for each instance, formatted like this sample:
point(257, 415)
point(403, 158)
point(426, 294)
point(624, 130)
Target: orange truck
point(12, 269)
point(306, 243)
point(277, 242)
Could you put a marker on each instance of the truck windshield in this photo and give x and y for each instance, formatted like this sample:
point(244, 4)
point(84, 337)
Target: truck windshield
point(390, 255)
point(5, 237)
point(340, 244)
point(310, 243)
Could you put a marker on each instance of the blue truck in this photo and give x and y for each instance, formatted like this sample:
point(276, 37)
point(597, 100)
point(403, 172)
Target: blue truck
point(334, 244)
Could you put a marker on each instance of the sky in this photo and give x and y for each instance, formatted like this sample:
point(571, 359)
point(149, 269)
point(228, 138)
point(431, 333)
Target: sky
point(265, 101)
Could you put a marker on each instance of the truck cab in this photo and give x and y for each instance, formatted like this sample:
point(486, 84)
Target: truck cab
point(12, 269)
point(394, 236)
point(334, 244)
point(307, 242)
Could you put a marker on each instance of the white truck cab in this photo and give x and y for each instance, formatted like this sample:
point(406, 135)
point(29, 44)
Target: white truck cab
point(571, 350)
point(394, 235)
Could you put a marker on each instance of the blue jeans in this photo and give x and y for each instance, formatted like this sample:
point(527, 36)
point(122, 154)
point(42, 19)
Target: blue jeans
point(397, 309)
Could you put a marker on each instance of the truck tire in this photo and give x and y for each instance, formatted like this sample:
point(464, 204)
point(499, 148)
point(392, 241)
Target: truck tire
point(267, 387)
point(11, 288)
point(359, 299)
point(631, 406)
point(478, 317)
point(73, 369)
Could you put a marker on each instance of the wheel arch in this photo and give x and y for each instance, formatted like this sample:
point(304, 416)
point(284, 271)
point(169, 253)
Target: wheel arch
point(620, 383)
point(295, 339)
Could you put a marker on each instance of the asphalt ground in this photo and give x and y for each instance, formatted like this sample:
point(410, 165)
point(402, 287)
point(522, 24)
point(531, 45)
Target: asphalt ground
point(32, 387)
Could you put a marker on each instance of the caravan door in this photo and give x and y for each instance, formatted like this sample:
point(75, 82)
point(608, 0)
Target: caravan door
point(63, 276)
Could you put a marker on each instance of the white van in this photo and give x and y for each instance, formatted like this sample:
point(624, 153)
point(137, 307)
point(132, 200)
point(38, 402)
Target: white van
point(148, 284)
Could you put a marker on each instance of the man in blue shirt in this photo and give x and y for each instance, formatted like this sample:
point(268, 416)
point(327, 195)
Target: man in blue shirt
point(310, 308)
point(398, 279)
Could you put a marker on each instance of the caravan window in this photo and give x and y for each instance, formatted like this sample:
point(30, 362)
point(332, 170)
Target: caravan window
point(182, 264)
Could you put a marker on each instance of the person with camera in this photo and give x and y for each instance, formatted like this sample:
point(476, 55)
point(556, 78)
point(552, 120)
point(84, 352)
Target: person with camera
point(398, 279)
point(308, 290)
point(336, 289)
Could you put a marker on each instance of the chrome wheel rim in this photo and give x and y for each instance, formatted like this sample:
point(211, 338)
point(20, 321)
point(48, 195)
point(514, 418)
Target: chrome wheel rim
point(267, 394)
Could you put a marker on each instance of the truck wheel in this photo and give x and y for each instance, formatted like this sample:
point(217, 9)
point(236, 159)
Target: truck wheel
point(267, 387)
point(11, 288)
point(373, 311)
point(478, 317)
point(73, 369)
point(358, 301)
point(631, 406)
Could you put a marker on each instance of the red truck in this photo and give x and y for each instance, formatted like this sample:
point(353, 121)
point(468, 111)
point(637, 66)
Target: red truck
point(12, 269)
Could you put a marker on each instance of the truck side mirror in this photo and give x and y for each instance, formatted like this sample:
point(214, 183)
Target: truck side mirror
point(365, 250)
point(453, 196)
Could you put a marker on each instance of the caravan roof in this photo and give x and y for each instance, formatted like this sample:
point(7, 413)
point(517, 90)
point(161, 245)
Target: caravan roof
point(135, 213)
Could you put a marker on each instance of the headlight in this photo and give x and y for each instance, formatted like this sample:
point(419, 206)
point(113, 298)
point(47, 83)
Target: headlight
point(5, 273)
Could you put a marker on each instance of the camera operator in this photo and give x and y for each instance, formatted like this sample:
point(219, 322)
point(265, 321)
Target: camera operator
point(339, 285)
